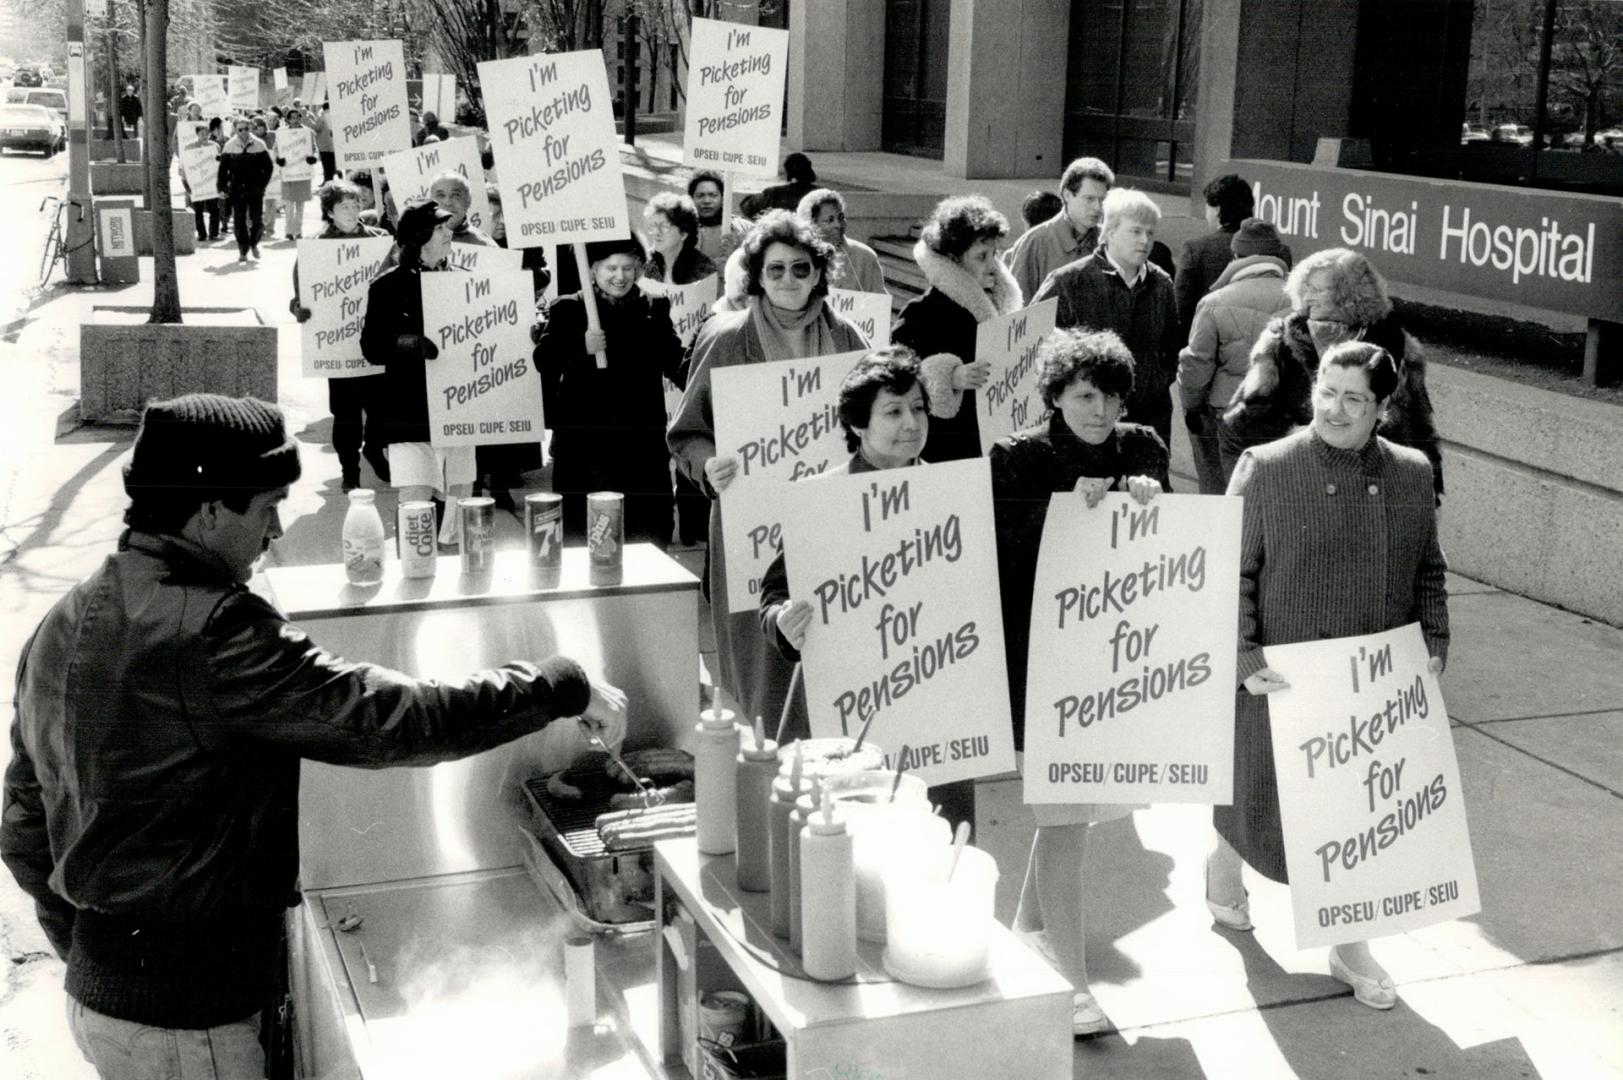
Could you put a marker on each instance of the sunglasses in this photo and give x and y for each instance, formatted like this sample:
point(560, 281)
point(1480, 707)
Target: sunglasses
point(800, 268)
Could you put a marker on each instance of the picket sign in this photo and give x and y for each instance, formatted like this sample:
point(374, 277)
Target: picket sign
point(483, 388)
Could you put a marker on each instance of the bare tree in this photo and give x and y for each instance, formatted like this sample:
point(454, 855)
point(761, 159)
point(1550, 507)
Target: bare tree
point(155, 40)
point(1587, 55)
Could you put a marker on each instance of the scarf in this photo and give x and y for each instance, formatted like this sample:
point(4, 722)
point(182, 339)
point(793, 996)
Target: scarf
point(791, 335)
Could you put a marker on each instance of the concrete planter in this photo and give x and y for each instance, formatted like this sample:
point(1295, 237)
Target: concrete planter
point(107, 150)
point(111, 178)
point(1535, 490)
point(185, 232)
point(124, 362)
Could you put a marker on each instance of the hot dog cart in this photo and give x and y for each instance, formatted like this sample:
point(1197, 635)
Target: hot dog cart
point(437, 900)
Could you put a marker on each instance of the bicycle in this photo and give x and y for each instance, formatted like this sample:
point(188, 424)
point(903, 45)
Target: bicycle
point(56, 240)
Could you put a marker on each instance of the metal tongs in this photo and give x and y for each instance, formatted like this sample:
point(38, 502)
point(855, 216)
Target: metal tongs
point(647, 790)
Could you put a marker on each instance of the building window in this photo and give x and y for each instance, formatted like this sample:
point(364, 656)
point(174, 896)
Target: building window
point(1130, 87)
point(1544, 95)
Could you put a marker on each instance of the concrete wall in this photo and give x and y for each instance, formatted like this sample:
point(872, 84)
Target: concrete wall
point(835, 83)
point(1006, 88)
point(1535, 490)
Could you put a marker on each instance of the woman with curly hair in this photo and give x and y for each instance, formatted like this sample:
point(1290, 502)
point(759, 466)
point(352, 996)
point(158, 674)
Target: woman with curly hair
point(1336, 295)
point(1083, 446)
point(785, 280)
point(969, 284)
point(671, 224)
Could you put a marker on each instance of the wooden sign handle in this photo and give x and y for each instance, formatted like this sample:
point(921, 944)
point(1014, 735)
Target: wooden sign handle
point(726, 202)
point(589, 296)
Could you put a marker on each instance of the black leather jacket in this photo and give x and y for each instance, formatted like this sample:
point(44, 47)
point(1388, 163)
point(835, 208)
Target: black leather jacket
point(161, 714)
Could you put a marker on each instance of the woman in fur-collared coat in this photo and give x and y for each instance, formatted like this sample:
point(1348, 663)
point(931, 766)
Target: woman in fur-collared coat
point(1336, 295)
point(968, 285)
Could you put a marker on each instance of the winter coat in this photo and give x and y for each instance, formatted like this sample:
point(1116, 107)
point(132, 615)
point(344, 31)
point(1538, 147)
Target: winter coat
point(1276, 394)
point(1046, 247)
point(392, 338)
point(1093, 296)
point(1028, 467)
point(608, 423)
point(691, 265)
point(748, 666)
point(1228, 321)
point(245, 169)
point(151, 803)
point(856, 267)
point(1334, 543)
point(940, 326)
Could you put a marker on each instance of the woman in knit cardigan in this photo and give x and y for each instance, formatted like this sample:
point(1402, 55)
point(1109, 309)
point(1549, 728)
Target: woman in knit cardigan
point(968, 285)
point(1339, 539)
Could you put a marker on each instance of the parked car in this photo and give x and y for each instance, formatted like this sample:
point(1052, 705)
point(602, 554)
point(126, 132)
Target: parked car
point(54, 100)
point(31, 127)
point(1512, 133)
point(27, 76)
point(1470, 133)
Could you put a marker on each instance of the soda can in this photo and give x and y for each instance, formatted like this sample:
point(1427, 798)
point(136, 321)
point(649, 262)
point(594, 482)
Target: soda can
point(544, 531)
point(478, 534)
point(605, 536)
point(417, 537)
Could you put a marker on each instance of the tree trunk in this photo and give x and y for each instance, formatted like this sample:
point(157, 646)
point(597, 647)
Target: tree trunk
point(115, 114)
point(165, 283)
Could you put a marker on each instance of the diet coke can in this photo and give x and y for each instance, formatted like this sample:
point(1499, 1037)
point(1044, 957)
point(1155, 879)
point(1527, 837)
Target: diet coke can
point(605, 536)
point(417, 537)
point(478, 534)
point(544, 530)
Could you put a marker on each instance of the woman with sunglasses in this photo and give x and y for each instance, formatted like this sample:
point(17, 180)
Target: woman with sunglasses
point(783, 318)
point(1339, 538)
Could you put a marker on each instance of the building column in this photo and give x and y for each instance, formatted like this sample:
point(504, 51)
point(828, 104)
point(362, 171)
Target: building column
point(1275, 77)
point(1006, 88)
point(842, 44)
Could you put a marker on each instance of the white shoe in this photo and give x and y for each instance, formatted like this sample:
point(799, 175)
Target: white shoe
point(1086, 1016)
point(1376, 993)
point(1037, 942)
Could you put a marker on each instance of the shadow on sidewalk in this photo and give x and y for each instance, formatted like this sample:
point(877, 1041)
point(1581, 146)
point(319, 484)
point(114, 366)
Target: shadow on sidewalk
point(1364, 1041)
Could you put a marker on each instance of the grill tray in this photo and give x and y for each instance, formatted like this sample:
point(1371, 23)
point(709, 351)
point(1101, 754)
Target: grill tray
point(613, 887)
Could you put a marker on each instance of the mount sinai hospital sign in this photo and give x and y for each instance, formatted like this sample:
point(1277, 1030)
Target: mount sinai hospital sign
point(1537, 248)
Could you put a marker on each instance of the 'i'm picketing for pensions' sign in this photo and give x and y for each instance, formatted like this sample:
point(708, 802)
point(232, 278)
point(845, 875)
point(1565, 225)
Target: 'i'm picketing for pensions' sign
point(366, 87)
point(735, 97)
point(690, 303)
point(781, 421)
point(868, 312)
point(552, 131)
point(1376, 840)
point(900, 567)
point(411, 173)
point(1130, 673)
point(334, 276)
point(483, 387)
point(1009, 401)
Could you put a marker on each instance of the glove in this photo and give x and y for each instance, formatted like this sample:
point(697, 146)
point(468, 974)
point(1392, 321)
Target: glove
point(281, 162)
point(417, 343)
point(311, 160)
point(301, 313)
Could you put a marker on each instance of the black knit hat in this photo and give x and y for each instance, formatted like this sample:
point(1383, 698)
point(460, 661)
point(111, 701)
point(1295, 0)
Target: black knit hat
point(212, 445)
point(418, 221)
point(1256, 237)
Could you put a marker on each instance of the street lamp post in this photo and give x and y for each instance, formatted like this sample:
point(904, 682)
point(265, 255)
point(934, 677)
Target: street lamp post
point(81, 249)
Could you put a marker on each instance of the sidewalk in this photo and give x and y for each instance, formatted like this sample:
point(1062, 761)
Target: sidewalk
point(1531, 987)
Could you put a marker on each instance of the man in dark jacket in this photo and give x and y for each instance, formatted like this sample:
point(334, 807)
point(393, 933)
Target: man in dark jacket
point(1119, 288)
point(245, 171)
point(162, 710)
point(1228, 202)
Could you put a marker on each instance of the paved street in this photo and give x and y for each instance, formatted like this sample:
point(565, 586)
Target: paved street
point(1533, 986)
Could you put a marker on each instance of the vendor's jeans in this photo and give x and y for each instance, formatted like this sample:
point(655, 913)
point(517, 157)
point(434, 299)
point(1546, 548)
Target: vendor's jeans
point(248, 221)
point(123, 1050)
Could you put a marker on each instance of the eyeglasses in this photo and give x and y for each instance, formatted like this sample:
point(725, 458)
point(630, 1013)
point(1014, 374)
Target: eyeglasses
point(800, 268)
point(658, 225)
point(1356, 405)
